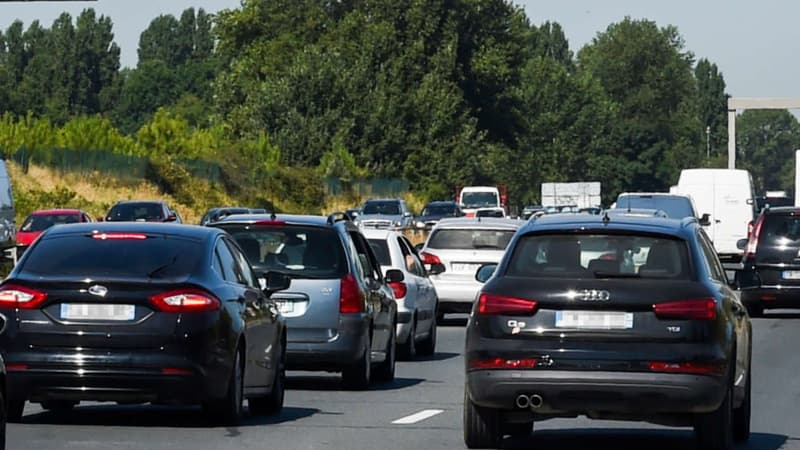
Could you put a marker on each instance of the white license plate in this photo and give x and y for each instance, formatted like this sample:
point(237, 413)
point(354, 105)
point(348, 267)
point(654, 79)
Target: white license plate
point(109, 312)
point(594, 320)
point(285, 307)
point(791, 275)
point(464, 267)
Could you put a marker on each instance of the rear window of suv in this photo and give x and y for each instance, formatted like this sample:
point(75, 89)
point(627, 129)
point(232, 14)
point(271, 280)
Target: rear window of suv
point(780, 227)
point(465, 239)
point(131, 212)
point(301, 251)
point(599, 256)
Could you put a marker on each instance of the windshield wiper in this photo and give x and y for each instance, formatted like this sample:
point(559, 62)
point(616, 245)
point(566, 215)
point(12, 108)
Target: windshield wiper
point(599, 274)
point(160, 268)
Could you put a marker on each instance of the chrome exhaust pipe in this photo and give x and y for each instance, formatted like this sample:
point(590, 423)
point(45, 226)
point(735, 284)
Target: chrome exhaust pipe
point(523, 402)
point(535, 401)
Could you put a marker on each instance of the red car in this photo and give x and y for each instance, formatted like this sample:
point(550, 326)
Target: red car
point(41, 220)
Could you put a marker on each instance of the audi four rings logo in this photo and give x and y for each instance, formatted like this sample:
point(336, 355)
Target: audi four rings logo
point(592, 295)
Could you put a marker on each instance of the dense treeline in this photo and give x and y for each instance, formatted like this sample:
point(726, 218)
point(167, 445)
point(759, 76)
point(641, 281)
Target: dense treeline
point(439, 92)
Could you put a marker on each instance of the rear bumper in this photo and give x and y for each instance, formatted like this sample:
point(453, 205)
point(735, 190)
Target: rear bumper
point(598, 393)
point(341, 350)
point(771, 297)
point(458, 294)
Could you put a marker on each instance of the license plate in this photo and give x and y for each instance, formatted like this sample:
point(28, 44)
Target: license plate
point(594, 320)
point(285, 307)
point(791, 275)
point(109, 312)
point(464, 267)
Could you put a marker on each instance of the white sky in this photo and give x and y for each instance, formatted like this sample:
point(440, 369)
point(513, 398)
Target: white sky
point(753, 42)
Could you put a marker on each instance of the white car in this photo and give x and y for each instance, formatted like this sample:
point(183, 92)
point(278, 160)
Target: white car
point(454, 251)
point(416, 295)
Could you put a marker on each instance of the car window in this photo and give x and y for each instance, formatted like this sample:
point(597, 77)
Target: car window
point(439, 210)
point(365, 256)
point(780, 229)
point(460, 239)
point(581, 256)
point(715, 269)
point(381, 249)
point(227, 262)
point(43, 222)
point(675, 207)
point(386, 208)
point(244, 273)
point(409, 258)
point(128, 212)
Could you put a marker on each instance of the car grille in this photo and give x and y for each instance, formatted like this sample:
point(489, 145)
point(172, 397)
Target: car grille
point(376, 223)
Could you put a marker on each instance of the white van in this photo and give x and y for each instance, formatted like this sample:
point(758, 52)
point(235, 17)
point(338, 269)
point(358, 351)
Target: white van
point(727, 196)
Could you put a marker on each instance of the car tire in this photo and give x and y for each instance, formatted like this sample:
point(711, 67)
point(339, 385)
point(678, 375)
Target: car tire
point(58, 406)
point(755, 311)
point(427, 347)
point(357, 376)
point(385, 370)
point(408, 349)
point(481, 425)
point(228, 411)
point(741, 415)
point(273, 403)
point(14, 410)
point(714, 430)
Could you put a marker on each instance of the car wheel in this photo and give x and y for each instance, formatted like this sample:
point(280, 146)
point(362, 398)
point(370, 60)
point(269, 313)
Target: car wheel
point(357, 376)
point(14, 410)
point(714, 430)
point(755, 311)
point(518, 429)
point(58, 405)
point(385, 370)
point(408, 349)
point(272, 403)
point(741, 415)
point(228, 410)
point(428, 346)
point(481, 425)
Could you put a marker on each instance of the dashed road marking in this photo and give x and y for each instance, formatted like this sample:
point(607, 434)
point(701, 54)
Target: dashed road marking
point(418, 417)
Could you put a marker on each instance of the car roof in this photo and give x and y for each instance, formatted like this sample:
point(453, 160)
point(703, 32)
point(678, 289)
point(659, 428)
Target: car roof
point(135, 202)
point(651, 224)
point(190, 231)
point(653, 194)
point(441, 202)
point(783, 210)
point(290, 219)
point(482, 222)
point(53, 212)
point(374, 233)
point(384, 200)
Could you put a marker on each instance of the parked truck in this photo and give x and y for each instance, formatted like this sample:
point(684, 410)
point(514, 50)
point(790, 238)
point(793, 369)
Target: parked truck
point(488, 199)
point(580, 195)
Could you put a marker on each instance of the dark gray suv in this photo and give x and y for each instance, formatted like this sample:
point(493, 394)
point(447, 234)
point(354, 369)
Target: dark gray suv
point(339, 310)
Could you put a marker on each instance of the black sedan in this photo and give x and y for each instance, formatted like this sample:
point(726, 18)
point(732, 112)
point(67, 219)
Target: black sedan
point(141, 312)
point(620, 318)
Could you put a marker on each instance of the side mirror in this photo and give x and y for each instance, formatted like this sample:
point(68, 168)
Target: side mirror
point(741, 244)
point(394, 276)
point(705, 220)
point(274, 282)
point(436, 269)
point(172, 217)
point(407, 214)
point(485, 272)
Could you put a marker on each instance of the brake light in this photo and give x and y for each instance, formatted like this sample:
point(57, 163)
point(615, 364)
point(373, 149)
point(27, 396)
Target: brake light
point(175, 371)
point(428, 258)
point(16, 367)
point(687, 367)
point(400, 289)
point(697, 309)
point(350, 296)
point(491, 304)
point(120, 236)
point(752, 242)
point(185, 301)
point(16, 296)
point(270, 223)
point(502, 363)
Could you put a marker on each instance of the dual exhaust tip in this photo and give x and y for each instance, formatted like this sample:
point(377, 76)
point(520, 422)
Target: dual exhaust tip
point(533, 401)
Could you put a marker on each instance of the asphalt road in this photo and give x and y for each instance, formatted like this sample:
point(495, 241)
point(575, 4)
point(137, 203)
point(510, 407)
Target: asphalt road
point(320, 414)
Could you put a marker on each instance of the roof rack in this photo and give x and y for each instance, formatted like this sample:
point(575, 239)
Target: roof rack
point(338, 216)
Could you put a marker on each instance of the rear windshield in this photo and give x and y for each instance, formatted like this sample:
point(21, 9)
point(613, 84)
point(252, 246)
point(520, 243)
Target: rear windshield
point(129, 212)
point(675, 207)
point(599, 256)
point(386, 208)
point(154, 257)
point(42, 222)
point(470, 239)
point(300, 251)
point(381, 250)
point(439, 210)
point(778, 229)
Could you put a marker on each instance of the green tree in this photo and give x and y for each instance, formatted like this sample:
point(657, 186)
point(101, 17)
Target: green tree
point(712, 105)
point(765, 145)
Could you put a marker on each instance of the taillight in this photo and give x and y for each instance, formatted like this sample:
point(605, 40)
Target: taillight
point(16, 367)
point(185, 301)
point(502, 363)
point(270, 223)
point(16, 296)
point(175, 371)
point(752, 242)
point(120, 236)
point(400, 289)
point(350, 296)
point(491, 304)
point(431, 259)
point(687, 367)
point(698, 309)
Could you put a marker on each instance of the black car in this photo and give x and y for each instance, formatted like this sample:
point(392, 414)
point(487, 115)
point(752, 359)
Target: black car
point(770, 277)
point(433, 212)
point(3, 393)
point(138, 312)
point(612, 318)
point(142, 211)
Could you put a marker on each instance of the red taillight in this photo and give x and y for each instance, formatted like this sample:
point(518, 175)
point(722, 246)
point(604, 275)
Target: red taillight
point(428, 258)
point(687, 367)
point(120, 236)
point(350, 296)
point(502, 363)
point(270, 223)
point(175, 371)
point(16, 367)
point(400, 289)
point(699, 309)
point(185, 301)
point(491, 304)
point(752, 242)
point(16, 296)
point(768, 298)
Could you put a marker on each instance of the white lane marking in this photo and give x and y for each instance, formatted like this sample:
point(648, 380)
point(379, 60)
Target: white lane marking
point(418, 417)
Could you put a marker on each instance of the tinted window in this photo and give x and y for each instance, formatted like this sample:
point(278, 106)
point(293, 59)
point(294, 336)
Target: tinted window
point(478, 199)
point(413, 264)
point(128, 212)
point(470, 239)
point(228, 263)
point(368, 263)
point(675, 207)
point(714, 266)
point(41, 223)
point(387, 208)
point(381, 250)
point(243, 271)
point(302, 251)
point(599, 256)
point(778, 228)
point(174, 257)
point(439, 210)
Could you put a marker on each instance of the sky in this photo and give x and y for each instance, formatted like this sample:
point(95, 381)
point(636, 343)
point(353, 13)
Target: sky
point(754, 43)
